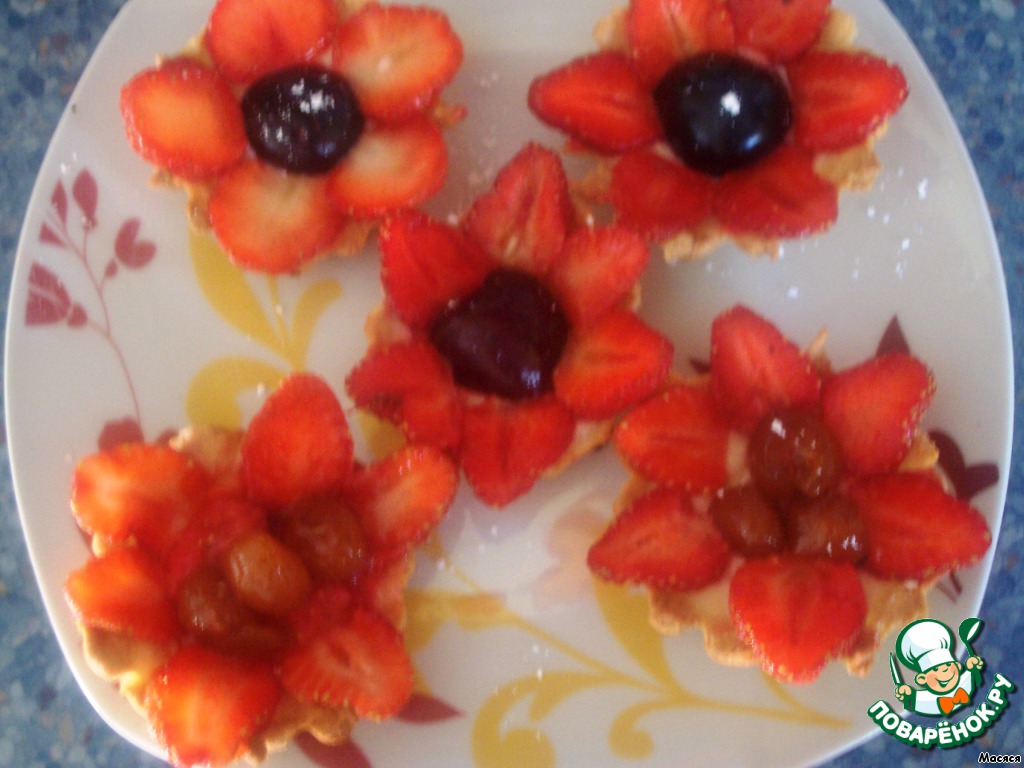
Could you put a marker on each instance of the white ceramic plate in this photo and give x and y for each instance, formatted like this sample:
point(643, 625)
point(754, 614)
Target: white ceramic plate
point(506, 631)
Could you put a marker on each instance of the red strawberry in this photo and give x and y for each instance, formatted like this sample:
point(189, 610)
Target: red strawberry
point(915, 530)
point(676, 438)
point(425, 405)
point(250, 38)
point(662, 32)
point(797, 613)
point(383, 586)
point(780, 196)
point(397, 58)
point(873, 409)
point(662, 542)
point(755, 369)
point(612, 364)
point(270, 220)
point(123, 592)
point(779, 29)
point(523, 219)
point(298, 445)
point(599, 101)
point(402, 497)
point(389, 167)
point(205, 705)
point(507, 445)
point(183, 117)
point(841, 98)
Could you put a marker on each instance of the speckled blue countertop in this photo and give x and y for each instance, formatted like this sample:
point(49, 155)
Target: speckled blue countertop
point(974, 50)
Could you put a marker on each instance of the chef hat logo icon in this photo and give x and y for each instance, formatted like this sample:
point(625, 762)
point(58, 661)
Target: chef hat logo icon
point(928, 648)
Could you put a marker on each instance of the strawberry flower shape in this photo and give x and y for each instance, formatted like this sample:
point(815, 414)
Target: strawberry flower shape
point(810, 493)
point(295, 124)
point(725, 118)
point(508, 339)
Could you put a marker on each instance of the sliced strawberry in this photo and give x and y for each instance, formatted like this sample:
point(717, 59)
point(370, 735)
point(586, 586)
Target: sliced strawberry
point(755, 369)
point(661, 541)
point(873, 409)
point(657, 196)
point(523, 219)
point(508, 445)
point(397, 58)
point(383, 586)
point(272, 221)
point(598, 269)
point(780, 196)
point(915, 530)
point(677, 438)
point(402, 497)
point(183, 117)
point(250, 38)
point(123, 592)
point(778, 29)
point(298, 445)
point(613, 364)
point(389, 167)
point(599, 101)
point(797, 613)
point(425, 405)
point(841, 98)
point(360, 663)
point(662, 32)
point(205, 705)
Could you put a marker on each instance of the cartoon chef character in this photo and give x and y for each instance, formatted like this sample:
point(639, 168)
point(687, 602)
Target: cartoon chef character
point(927, 646)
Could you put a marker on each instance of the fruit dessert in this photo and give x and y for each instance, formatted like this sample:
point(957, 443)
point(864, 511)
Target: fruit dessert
point(509, 339)
point(720, 119)
point(245, 587)
point(795, 513)
point(294, 125)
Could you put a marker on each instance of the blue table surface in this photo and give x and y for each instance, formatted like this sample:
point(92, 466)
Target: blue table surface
point(974, 50)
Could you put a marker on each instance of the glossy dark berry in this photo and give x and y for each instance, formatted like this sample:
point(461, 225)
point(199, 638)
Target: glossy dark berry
point(793, 455)
point(721, 112)
point(828, 527)
point(505, 338)
point(303, 119)
point(750, 524)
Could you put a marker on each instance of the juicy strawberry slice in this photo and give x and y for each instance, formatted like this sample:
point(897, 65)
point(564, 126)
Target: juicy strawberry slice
point(389, 167)
point(298, 445)
point(250, 38)
point(183, 117)
point(841, 98)
point(915, 530)
point(797, 613)
point(425, 405)
point(780, 196)
point(755, 369)
point(599, 101)
point(123, 592)
point(616, 362)
point(383, 587)
point(662, 32)
point(360, 663)
point(523, 219)
point(873, 410)
point(508, 445)
point(397, 58)
point(677, 439)
point(425, 264)
point(658, 197)
point(662, 542)
point(272, 221)
point(205, 705)
point(779, 29)
point(401, 498)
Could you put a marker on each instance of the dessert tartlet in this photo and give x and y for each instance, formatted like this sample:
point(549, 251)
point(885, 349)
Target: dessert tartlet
point(294, 125)
point(509, 338)
point(720, 119)
point(796, 514)
point(245, 587)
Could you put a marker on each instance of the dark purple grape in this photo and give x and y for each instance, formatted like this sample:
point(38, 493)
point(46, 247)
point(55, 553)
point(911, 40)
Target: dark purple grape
point(505, 338)
point(721, 112)
point(303, 119)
